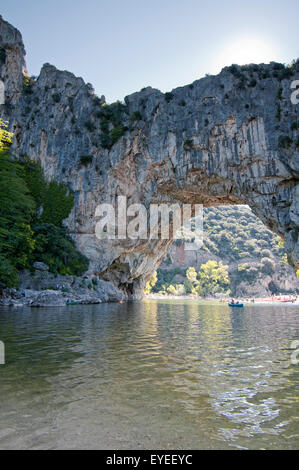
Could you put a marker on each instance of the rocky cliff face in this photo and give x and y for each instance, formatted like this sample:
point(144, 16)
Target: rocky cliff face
point(226, 139)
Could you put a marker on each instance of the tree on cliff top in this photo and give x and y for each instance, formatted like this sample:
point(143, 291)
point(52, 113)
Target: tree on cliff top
point(5, 136)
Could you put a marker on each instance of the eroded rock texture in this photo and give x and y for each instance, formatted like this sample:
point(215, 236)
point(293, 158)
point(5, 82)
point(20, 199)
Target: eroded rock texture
point(226, 139)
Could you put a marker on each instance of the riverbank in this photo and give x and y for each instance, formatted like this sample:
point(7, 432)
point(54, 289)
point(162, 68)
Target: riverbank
point(105, 293)
point(44, 289)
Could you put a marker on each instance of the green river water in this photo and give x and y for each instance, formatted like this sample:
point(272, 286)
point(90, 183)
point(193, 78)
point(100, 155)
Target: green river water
point(149, 375)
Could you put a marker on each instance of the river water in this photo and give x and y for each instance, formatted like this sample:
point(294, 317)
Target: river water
point(149, 375)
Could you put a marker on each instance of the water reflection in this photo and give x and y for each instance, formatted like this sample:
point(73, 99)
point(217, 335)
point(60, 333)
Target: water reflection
point(149, 375)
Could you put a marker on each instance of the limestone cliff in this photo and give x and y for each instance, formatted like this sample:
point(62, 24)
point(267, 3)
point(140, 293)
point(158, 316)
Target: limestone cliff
point(226, 139)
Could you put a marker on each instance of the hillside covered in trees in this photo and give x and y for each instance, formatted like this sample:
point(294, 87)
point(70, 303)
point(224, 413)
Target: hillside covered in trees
point(251, 258)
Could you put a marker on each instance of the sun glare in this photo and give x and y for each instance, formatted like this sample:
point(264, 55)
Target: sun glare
point(246, 51)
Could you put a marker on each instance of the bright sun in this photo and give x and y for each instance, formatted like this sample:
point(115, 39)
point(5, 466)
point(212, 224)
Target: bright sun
point(246, 51)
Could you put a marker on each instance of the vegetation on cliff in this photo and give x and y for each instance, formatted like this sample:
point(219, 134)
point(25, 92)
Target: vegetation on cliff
point(31, 215)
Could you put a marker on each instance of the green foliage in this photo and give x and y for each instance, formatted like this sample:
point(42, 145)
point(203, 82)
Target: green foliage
point(90, 126)
point(52, 199)
point(16, 208)
point(233, 233)
point(285, 73)
point(151, 283)
point(278, 113)
point(284, 141)
point(252, 83)
point(31, 214)
point(106, 141)
point(57, 204)
point(85, 159)
point(212, 278)
point(191, 275)
point(243, 272)
point(54, 248)
point(136, 116)
point(5, 136)
point(2, 55)
point(169, 97)
point(117, 133)
point(56, 98)
point(236, 235)
point(34, 178)
point(267, 266)
point(275, 70)
point(112, 127)
point(8, 272)
point(165, 278)
point(234, 70)
point(28, 83)
point(168, 260)
point(113, 113)
point(171, 290)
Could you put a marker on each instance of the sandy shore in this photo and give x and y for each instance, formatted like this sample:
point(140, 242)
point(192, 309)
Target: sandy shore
point(257, 301)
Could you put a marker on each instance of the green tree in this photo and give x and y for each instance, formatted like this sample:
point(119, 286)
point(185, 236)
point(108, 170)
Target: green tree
point(171, 289)
point(213, 277)
point(191, 275)
point(16, 210)
point(5, 136)
point(55, 248)
point(151, 283)
point(53, 201)
point(25, 199)
point(57, 204)
point(267, 266)
point(34, 177)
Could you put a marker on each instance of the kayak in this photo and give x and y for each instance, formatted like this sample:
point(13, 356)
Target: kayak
point(71, 303)
point(236, 305)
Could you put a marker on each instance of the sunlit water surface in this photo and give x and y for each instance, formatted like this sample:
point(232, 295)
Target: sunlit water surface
point(150, 375)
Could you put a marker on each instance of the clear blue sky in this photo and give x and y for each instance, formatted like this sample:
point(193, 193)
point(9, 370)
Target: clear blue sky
point(121, 46)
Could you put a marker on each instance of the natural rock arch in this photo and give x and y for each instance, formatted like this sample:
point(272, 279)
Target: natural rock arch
point(225, 139)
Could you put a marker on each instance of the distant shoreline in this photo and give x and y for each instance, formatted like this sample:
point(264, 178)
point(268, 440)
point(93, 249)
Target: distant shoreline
point(257, 301)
